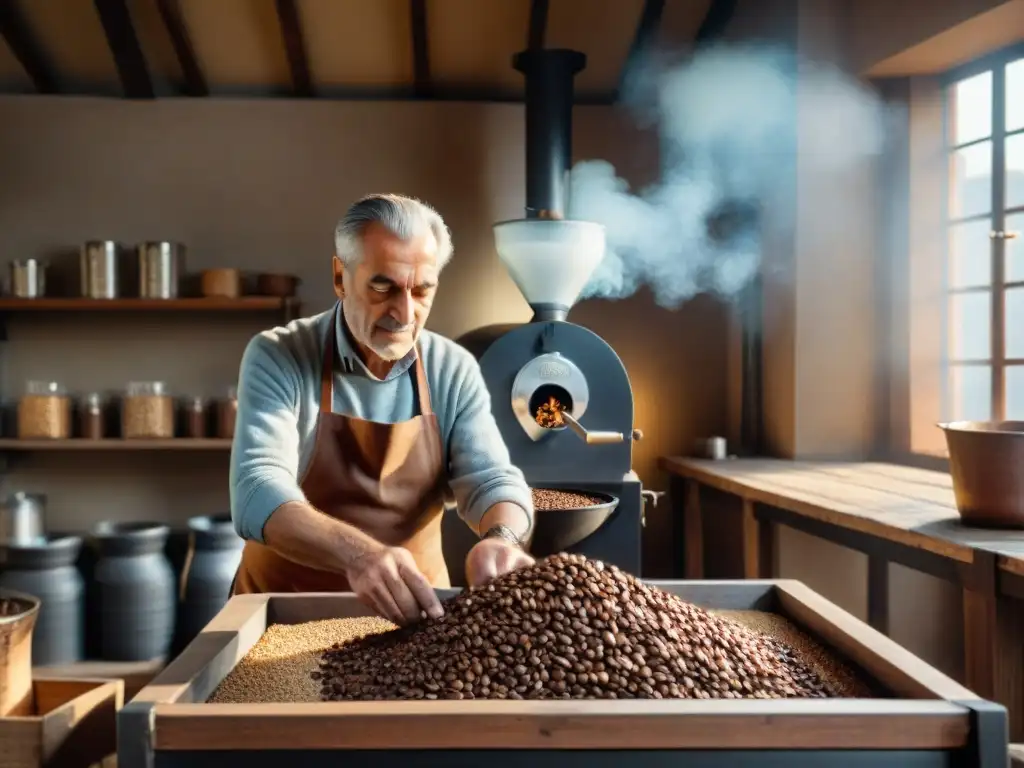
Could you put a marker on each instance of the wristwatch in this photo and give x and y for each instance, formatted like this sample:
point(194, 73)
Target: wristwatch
point(504, 533)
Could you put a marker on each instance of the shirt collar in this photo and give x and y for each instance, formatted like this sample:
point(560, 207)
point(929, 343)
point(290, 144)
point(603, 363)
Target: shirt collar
point(349, 359)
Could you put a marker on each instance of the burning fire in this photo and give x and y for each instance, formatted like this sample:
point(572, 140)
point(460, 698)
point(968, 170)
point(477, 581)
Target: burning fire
point(549, 414)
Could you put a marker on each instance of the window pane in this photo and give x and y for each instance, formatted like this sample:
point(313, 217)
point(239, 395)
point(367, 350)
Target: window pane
point(971, 184)
point(1015, 392)
point(1015, 171)
point(1015, 95)
point(970, 254)
point(970, 390)
point(1015, 322)
point(971, 104)
point(1015, 248)
point(970, 326)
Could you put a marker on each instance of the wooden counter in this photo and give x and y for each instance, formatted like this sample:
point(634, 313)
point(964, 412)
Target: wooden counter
point(890, 513)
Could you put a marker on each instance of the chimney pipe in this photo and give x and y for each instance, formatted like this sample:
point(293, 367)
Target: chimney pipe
point(549, 77)
point(549, 257)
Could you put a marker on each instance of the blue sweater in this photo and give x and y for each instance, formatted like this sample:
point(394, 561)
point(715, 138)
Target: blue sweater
point(279, 401)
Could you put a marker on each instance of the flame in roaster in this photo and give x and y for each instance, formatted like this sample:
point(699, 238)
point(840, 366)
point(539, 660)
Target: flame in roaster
point(549, 414)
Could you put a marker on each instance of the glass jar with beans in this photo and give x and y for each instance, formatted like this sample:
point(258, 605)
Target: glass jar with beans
point(44, 412)
point(147, 411)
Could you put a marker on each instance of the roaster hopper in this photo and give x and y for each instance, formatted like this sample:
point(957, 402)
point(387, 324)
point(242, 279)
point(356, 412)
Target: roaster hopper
point(550, 360)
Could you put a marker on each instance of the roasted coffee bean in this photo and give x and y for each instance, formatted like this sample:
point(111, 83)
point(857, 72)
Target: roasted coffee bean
point(643, 643)
point(546, 498)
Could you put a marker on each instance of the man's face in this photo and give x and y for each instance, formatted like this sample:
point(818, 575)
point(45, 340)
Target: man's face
point(387, 296)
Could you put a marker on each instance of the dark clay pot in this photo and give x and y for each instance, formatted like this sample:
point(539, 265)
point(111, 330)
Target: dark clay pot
point(48, 572)
point(134, 591)
point(214, 552)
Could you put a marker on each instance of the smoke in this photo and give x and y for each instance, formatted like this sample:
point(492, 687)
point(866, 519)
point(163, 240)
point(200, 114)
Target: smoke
point(728, 120)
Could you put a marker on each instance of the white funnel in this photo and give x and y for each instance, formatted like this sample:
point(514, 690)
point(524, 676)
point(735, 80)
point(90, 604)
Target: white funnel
point(550, 260)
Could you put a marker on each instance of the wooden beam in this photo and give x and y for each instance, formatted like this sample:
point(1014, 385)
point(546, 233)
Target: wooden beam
point(538, 24)
point(195, 82)
point(643, 38)
point(15, 31)
point(124, 45)
point(719, 14)
point(420, 50)
point(295, 47)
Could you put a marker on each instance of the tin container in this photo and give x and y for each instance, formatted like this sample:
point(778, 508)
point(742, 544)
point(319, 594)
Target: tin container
point(161, 265)
point(28, 279)
point(98, 265)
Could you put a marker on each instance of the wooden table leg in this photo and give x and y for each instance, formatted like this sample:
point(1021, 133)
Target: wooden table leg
point(693, 532)
point(878, 593)
point(759, 550)
point(994, 643)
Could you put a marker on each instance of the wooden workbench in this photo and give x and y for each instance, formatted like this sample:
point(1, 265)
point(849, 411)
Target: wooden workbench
point(890, 513)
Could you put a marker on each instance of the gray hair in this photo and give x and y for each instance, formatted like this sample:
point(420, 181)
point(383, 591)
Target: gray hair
point(404, 217)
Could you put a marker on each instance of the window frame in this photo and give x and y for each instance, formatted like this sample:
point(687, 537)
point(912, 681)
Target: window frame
point(915, 198)
point(996, 63)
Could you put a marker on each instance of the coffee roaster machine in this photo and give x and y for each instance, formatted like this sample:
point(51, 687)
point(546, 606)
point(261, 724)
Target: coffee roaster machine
point(550, 363)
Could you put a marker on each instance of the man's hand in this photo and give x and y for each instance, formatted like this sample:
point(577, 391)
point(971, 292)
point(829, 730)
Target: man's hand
point(387, 580)
point(491, 558)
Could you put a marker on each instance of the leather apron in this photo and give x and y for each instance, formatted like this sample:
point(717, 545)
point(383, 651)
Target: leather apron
point(387, 480)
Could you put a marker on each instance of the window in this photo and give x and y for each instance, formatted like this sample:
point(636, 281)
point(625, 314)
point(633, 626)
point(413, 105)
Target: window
point(983, 342)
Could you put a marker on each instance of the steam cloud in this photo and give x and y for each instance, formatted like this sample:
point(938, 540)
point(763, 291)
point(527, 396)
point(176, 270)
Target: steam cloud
point(728, 121)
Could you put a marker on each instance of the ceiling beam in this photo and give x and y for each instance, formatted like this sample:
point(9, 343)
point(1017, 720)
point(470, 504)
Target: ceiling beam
point(420, 50)
point(15, 31)
point(195, 82)
point(295, 48)
point(538, 24)
point(719, 14)
point(643, 38)
point(124, 45)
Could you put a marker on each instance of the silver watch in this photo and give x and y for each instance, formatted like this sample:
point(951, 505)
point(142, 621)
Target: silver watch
point(502, 532)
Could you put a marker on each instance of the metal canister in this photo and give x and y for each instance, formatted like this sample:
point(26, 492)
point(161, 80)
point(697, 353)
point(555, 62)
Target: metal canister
point(161, 265)
point(22, 519)
point(28, 279)
point(98, 269)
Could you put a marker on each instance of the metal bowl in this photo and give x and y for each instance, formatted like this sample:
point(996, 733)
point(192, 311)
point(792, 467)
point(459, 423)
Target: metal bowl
point(985, 458)
point(556, 530)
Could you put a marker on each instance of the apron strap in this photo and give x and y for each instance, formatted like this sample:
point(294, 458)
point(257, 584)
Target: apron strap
point(422, 390)
point(330, 358)
point(327, 367)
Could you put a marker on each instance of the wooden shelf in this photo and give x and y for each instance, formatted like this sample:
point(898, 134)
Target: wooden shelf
point(243, 304)
point(117, 444)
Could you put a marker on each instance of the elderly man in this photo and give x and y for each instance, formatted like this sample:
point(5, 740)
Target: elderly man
point(352, 424)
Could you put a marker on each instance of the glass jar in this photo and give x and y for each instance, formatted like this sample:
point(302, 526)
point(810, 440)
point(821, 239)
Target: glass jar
point(147, 411)
point(44, 412)
point(194, 409)
point(227, 411)
point(92, 417)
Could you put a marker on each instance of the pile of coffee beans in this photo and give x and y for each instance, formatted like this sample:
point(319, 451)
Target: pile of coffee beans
point(545, 498)
point(567, 628)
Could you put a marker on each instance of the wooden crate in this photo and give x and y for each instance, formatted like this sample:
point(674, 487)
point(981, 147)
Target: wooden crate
point(75, 725)
point(930, 720)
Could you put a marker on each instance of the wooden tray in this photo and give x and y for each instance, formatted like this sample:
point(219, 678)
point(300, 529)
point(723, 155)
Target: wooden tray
point(168, 723)
point(75, 725)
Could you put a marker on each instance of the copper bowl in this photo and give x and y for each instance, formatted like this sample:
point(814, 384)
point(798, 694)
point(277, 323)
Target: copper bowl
point(986, 460)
